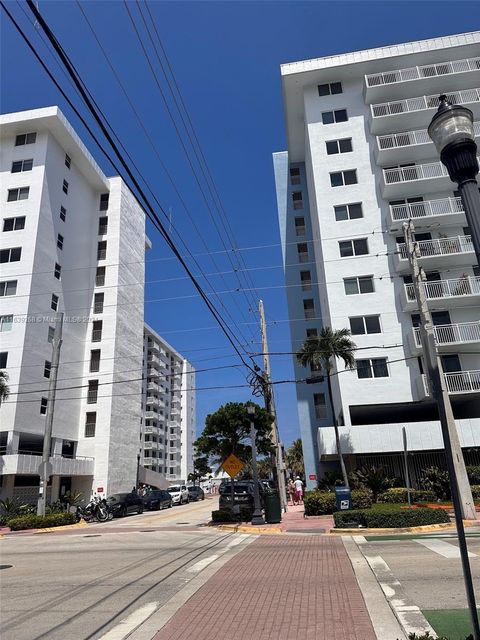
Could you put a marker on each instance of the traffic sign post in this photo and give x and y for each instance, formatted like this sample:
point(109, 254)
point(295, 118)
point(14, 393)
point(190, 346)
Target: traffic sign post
point(232, 465)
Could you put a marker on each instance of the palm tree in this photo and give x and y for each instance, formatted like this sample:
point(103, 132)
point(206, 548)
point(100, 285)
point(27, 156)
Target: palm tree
point(4, 388)
point(294, 458)
point(322, 351)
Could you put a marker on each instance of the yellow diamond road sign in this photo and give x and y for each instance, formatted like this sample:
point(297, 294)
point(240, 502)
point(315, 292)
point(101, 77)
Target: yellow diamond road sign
point(232, 465)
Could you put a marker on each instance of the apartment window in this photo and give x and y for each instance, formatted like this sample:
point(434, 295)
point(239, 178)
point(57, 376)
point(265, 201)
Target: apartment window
point(10, 255)
point(330, 89)
point(43, 406)
point(302, 250)
point(3, 359)
point(63, 214)
point(60, 241)
point(92, 394)
point(25, 138)
point(51, 334)
point(312, 333)
point(300, 226)
point(102, 225)
point(97, 330)
point(47, 368)
point(308, 309)
point(90, 424)
point(102, 250)
point(343, 178)
point(348, 211)
point(361, 284)
point(8, 288)
point(350, 248)
point(339, 146)
point(68, 161)
point(65, 186)
point(330, 117)
point(98, 302)
point(94, 360)
point(372, 368)
point(54, 302)
point(6, 323)
point(306, 280)
point(297, 200)
point(320, 406)
point(100, 276)
point(104, 201)
point(21, 193)
point(361, 325)
point(58, 271)
point(22, 165)
point(295, 177)
point(14, 224)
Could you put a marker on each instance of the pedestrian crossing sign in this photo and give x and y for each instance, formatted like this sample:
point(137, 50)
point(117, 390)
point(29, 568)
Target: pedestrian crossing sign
point(232, 465)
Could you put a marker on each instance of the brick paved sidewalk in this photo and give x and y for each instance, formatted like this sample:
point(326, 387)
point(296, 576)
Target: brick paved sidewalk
point(277, 588)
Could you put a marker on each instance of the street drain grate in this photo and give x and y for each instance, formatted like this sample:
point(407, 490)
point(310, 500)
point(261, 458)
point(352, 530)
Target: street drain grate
point(93, 535)
point(147, 530)
point(182, 523)
point(6, 566)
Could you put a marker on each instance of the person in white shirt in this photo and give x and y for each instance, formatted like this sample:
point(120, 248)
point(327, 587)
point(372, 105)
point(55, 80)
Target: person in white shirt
point(298, 489)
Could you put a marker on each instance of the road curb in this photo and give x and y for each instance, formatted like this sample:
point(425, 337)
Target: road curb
point(77, 525)
point(246, 529)
point(420, 529)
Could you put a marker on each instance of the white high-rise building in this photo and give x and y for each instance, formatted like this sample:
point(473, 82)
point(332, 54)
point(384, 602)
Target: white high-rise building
point(168, 427)
point(359, 164)
point(72, 241)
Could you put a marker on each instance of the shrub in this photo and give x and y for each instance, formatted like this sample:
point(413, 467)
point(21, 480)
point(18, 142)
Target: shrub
point(390, 518)
point(473, 473)
point(436, 480)
point(330, 480)
point(475, 491)
point(320, 503)
point(362, 498)
point(226, 515)
point(41, 522)
point(400, 495)
point(427, 636)
point(373, 478)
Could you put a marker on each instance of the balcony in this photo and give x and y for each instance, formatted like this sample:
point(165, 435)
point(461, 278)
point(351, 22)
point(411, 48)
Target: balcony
point(401, 182)
point(431, 77)
point(439, 253)
point(148, 445)
point(394, 148)
point(458, 382)
point(29, 464)
point(412, 113)
point(444, 294)
point(151, 415)
point(445, 211)
point(448, 335)
point(154, 361)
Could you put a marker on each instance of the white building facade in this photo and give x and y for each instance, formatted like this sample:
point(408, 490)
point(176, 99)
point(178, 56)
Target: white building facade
point(359, 164)
point(168, 425)
point(72, 241)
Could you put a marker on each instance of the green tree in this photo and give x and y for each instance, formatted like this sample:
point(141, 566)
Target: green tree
point(201, 468)
point(294, 458)
point(4, 388)
point(264, 467)
point(322, 351)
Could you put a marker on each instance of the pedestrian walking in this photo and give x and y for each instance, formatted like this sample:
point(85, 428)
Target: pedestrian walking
point(298, 489)
point(291, 491)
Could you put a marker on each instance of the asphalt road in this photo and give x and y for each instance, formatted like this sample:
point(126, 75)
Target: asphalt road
point(77, 586)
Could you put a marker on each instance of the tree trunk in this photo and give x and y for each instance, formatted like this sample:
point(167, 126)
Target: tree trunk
point(337, 435)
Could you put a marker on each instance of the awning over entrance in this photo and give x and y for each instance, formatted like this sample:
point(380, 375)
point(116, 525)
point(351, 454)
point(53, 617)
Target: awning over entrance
point(152, 478)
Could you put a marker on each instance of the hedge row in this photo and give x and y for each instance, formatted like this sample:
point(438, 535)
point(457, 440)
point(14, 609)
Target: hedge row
point(390, 518)
point(400, 495)
point(319, 503)
point(41, 522)
point(225, 515)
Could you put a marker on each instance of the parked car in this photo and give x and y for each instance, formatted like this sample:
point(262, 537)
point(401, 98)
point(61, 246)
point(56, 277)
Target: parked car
point(196, 493)
point(157, 500)
point(243, 494)
point(121, 504)
point(179, 493)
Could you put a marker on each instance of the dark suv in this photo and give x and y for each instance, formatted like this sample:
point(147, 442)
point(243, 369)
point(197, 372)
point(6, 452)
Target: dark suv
point(121, 504)
point(243, 495)
point(196, 493)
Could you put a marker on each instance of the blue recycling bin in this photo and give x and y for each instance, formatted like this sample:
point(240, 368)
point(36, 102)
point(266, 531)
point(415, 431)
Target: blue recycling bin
point(343, 498)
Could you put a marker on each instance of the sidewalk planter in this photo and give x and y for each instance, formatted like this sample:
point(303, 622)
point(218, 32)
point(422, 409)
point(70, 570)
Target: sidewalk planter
point(321, 503)
point(225, 515)
point(393, 518)
point(42, 522)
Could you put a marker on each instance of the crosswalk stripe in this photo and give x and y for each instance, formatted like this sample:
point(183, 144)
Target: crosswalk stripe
point(445, 549)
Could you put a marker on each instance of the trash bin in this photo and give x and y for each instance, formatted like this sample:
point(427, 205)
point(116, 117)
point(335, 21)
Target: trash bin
point(273, 509)
point(343, 498)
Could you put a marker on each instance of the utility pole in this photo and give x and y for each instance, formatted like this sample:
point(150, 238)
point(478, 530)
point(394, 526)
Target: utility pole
point(463, 504)
point(46, 466)
point(277, 457)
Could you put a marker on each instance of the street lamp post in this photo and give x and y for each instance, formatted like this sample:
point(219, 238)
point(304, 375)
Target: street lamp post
point(257, 517)
point(451, 130)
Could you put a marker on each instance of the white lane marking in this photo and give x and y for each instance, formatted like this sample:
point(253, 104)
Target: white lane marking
point(201, 564)
point(238, 540)
point(445, 549)
point(360, 539)
point(135, 619)
point(377, 563)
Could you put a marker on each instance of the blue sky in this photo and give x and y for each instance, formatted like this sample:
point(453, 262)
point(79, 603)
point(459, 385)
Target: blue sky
point(226, 58)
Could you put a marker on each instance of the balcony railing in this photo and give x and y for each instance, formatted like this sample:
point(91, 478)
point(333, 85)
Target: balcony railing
point(463, 381)
point(415, 172)
point(447, 288)
point(411, 138)
point(439, 246)
point(426, 208)
point(420, 103)
point(460, 333)
point(425, 71)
